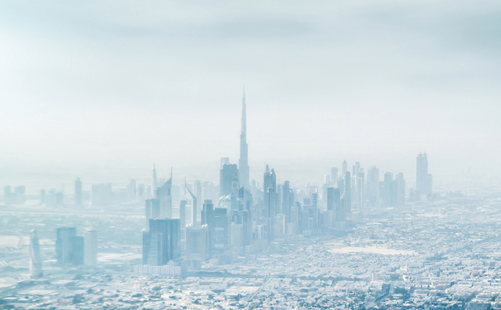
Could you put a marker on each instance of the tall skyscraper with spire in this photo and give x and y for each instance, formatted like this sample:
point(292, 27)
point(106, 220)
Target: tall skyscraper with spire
point(154, 184)
point(243, 163)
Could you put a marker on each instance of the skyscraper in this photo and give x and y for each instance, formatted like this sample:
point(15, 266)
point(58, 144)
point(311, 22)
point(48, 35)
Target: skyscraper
point(152, 249)
point(347, 193)
point(78, 192)
point(169, 229)
point(386, 193)
point(372, 186)
point(219, 231)
point(35, 259)
point(154, 184)
point(226, 177)
point(243, 163)
point(69, 247)
point(224, 161)
point(286, 201)
point(400, 190)
point(334, 173)
point(164, 194)
point(195, 206)
point(423, 179)
point(90, 253)
point(333, 198)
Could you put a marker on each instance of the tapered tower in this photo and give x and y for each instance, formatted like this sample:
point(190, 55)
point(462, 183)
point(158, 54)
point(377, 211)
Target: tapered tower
point(243, 163)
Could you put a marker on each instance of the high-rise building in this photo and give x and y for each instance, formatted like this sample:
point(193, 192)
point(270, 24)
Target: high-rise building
point(344, 168)
point(207, 213)
point(152, 249)
point(386, 190)
point(333, 198)
point(372, 185)
point(35, 258)
point(219, 231)
point(171, 238)
point(197, 242)
point(78, 192)
point(400, 190)
point(270, 192)
point(224, 161)
point(69, 247)
point(334, 175)
point(152, 210)
point(194, 212)
point(226, 177)
point(164, 194)
point(243, 163)
point(286, 201)
point(132, 190)
point(154, 183)
point(347, 194)
point(360, 189)
point(90, 253)
point(423, 179)
point(182, 217)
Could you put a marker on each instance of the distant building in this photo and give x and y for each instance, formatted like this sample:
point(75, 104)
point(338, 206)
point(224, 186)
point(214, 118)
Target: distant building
point(387, 191)
point(14, 197)
point(78, 193)
point(243, 163)
point(35, 258)
point(423, 178)
point(197, 242)
point(372, 185)
point(152, 249)
point(333, 198)
point(226, 177)
point(152, 210)
point(286, 200)
point(169, 229)
point(164, 195)
point(182, 217)
point(219, 231)
point(347, 195)
point(90, 253)
point(360, 189)
point(69, 247)
point(400, 190)
point(334, 175)
point(224, 161)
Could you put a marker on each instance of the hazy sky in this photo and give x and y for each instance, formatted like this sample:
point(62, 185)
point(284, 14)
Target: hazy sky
point(102, 89)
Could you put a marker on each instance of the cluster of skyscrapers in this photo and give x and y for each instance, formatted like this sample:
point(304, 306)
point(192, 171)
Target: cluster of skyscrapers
point(241, 218)
point(246, 218)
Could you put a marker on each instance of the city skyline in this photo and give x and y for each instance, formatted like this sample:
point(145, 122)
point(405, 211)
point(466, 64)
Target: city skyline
point(250, 155)
point(414, 81)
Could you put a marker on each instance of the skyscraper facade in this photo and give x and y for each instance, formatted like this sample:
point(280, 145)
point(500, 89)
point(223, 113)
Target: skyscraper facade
point(372, 185)
point(243, 163)
point(347, 194)
point(90, 253)
point(423, 179)
point(169, 229)
point(35, 258)
point(226, 177)
point(69, 247)
point(78, 192)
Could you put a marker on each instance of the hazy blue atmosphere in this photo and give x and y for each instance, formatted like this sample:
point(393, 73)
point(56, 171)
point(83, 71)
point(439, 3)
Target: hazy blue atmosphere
point(100, 89)
point(250, 155)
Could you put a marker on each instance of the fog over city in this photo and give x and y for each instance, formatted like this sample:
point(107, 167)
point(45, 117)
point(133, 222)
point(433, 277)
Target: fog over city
point(250, 155)
point(120, 85)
